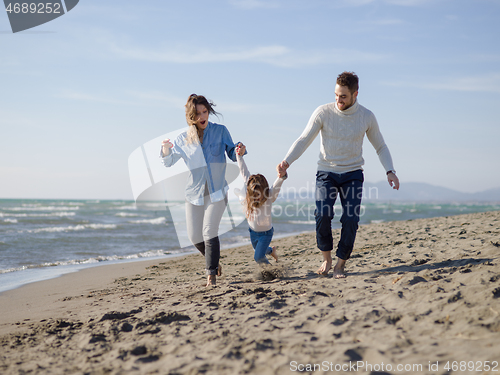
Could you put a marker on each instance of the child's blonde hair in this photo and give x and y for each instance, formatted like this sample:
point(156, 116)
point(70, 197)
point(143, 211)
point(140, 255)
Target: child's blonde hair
point(257, 193)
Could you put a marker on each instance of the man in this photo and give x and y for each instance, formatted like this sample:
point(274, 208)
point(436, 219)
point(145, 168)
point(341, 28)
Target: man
point(342, 125)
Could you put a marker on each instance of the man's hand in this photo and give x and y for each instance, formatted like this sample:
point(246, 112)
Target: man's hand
point(166, 146)
point(240, 149)
point(393, 180)
point(281, 168)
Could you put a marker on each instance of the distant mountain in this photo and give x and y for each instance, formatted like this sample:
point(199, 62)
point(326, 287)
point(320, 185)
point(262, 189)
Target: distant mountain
point(488, 195)
point(418, 191)
point(413, 192)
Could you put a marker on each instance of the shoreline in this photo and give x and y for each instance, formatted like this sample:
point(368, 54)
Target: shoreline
point(418, 292)
point(13, 280)
point(17, 279)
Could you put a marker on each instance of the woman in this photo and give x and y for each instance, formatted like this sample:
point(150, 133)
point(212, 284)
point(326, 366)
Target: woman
point(203, 147)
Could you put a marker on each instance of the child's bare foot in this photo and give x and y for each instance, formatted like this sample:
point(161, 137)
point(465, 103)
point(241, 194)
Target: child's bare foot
point(325, 267)
point(211, 280)
point(219, 270)
point(338, 270)
point(274, 254)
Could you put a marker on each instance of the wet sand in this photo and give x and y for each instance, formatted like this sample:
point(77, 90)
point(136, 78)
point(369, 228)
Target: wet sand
point(419, 294)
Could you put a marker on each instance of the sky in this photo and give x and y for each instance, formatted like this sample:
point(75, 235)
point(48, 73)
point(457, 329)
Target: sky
point(79, 94)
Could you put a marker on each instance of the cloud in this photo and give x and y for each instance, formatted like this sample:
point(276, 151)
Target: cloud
point(386, 22)
point(391, 2)
point(252, 108)
point(163, 98)
point(127, 97)
point(259, 4)
point(276, 55)
point(357, 2)
point(487, 83)
point(484, 58)
point(254, 4)
point(80, 96)
point(18, 119)
point(410, 3)
point(8, 61)
point(182, 55)
point(239, 107)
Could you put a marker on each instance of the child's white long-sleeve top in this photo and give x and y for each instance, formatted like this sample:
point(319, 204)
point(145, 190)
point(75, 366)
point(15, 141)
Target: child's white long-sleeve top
point(261, 220)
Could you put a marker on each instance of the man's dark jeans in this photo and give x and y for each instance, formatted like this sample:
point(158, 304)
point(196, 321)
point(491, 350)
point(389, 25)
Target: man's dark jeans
point(349, 186)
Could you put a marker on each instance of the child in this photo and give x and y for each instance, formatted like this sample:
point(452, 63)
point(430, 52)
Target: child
point(258, 206)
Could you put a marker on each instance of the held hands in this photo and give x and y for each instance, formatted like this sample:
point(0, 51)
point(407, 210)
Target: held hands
point(281, 168)
point(166, 145)
point(393, 180)
point(240, 149)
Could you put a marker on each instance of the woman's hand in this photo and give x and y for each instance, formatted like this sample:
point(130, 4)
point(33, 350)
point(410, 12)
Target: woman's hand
point(240, 149)
point(281, 168)
point(166, 145)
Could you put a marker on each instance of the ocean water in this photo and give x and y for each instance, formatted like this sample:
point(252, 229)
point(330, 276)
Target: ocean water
point(40, 239)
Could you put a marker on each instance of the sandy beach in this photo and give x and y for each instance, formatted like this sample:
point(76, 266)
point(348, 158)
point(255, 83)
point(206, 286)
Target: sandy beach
point(421, 297)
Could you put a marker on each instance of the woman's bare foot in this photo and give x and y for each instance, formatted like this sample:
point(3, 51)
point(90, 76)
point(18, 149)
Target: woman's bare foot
point(338, 270)
point(211, 280)
point(219, 270)
point(325, 267)
point(274, 254)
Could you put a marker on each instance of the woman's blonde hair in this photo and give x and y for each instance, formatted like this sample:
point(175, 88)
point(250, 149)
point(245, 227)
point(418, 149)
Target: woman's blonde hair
point(191, 114)
point(257, 193)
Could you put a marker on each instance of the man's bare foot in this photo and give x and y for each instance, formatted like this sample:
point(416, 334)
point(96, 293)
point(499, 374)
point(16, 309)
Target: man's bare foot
point(211, 280)
point(338, 270)
point(274, 254)
point(325, 267)
point(219, 270)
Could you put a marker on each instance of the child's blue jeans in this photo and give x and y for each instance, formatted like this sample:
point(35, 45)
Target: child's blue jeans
point(260, 242)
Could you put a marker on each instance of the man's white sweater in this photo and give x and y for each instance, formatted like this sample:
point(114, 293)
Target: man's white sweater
point(342, 134)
